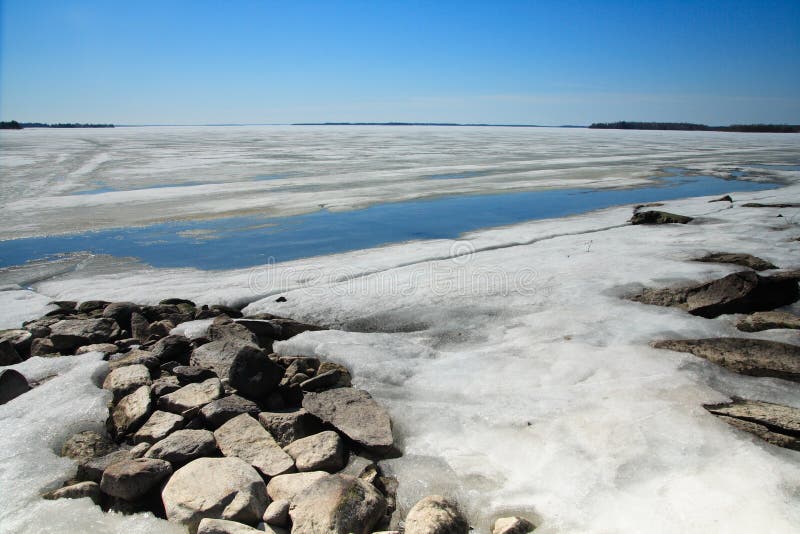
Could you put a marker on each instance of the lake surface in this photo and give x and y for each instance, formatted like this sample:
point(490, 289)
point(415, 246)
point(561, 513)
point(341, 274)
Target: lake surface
point(248, 241)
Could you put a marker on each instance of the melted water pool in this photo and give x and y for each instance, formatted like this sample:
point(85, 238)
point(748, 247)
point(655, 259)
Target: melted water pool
point(247, 241)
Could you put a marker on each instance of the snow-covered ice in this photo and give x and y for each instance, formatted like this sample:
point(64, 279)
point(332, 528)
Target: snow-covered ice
point(518, 379)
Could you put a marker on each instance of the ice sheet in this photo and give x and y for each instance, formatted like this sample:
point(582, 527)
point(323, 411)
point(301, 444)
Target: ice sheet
point(146, 175)
point(520, 382)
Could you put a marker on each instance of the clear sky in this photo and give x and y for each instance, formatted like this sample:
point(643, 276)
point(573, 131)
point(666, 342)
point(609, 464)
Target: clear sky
point(540, 62)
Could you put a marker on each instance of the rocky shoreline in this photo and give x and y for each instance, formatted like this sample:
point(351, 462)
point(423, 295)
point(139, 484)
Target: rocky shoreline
point(218, 433)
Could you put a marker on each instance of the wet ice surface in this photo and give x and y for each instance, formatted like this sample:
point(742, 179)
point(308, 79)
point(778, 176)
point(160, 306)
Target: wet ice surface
point(150, 175)
point(518, 380)
point(246, 241)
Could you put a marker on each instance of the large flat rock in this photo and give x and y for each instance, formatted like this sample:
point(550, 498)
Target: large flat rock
point(355, 414)
point(244, 437)
point(754, 357)
point(774, 423)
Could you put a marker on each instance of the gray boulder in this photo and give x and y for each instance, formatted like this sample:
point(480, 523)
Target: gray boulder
point(76, 491)
point(355, 414)
point(222, 410)
point(243, 437)
point(321, 452)
point(133, 479)
point(189, 374)
point(658, 217)
point(774, 423)
point(131, 412)
point(754, 357)
point(287, 487)
point(134, 357)
point(140, 327)
point(216, 488)
point(92, 469)
point(124, 380)
point(244, 366)
point(158, 426)
point(277, 513)
point(745, 260)
point(183, 446)
point(164, 385)
point(768, 320)
point(221, 526)
point(8, 354)
point(435, 515)
point(42, 346)
point(21, 341)
point(230, 331)
point(12, 385)
point(512, 525)
point(106, 348)
point(173, 348)
point(289, 425)
point(338, 504)
point(121, 313)
point(86, 445)
point(69, 334)
point(742, 292)
point(192, 396)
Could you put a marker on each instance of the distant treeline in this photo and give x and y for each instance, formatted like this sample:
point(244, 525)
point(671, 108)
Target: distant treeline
point(14, 125)
point(628, 125)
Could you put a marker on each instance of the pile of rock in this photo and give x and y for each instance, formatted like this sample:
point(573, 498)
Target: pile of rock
point(222, 435)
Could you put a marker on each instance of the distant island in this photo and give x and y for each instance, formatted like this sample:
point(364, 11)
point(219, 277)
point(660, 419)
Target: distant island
point(14, 125)
point(688, 126)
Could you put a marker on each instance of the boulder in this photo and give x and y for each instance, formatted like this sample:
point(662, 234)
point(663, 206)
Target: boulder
point(289, 425)
point(124, 380)
point(328, 379)
point(287, 487)
point(12, 385)
point(133, 479)
point(138, 451)
point(230, 331)
point(140, 326)
point(189, 374)
point(512, 525)
point(160, 425)
point(725, 198)
point(69, 334)
point(742, 292)
point(277, 513)
point(42, 346)
point(780, 418)
point(21, 341)
point(192, 396)
point(121, 313)
point(86, 445)
point(754, 357)
point(178, 301)
point(745, 260)
point(183, 446)
point(768, 320)
point(245, 438)
point(216, 488)
point(76, 491)
point(93, 468)
point(771, 205)
point(134, 357)
point(161, 329)
point(356, 415)
point(659, 217)
point(164, 385)
point(221, 526)
point(105, 348)
point(321, 452)
point(435, 515)
point(89, 306)
point(244, 366)
point(8, 354)
point(337, 504)
point(222, 410)
point(131, 412)
point(173, 348)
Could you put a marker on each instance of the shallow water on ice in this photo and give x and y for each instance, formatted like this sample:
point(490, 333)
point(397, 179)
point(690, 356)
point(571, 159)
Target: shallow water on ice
point(247, 241)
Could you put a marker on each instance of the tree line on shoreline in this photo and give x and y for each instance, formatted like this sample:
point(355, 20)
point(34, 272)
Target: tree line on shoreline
point(14, 125)
point(688, 126)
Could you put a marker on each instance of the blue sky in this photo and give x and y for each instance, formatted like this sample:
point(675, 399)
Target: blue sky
point(541, 62)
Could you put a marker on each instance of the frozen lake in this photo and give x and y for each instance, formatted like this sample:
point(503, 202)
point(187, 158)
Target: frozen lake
point(517, 378)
